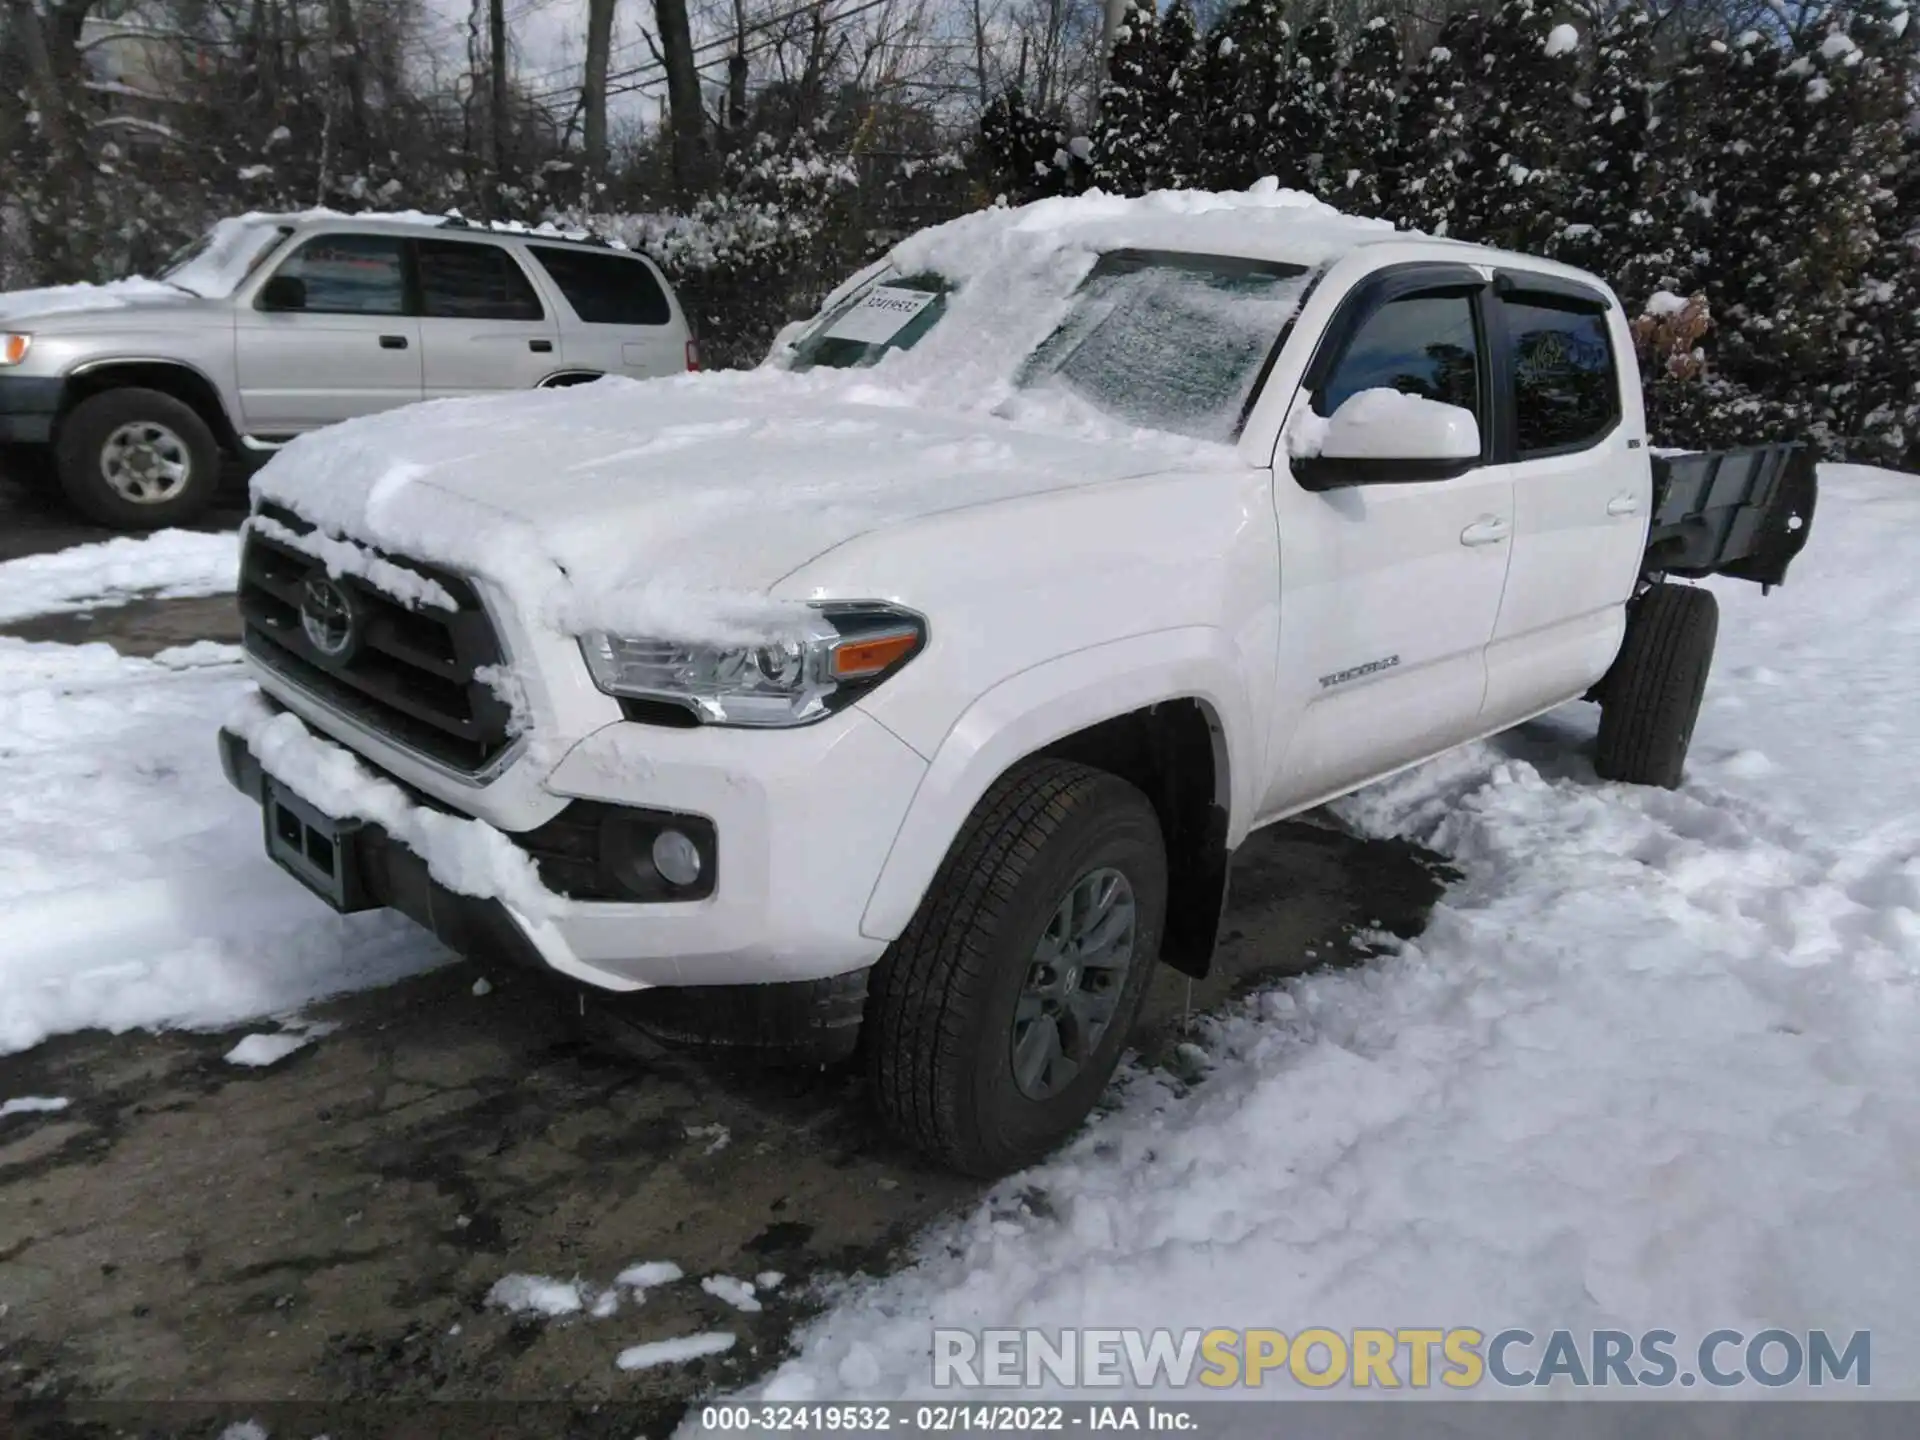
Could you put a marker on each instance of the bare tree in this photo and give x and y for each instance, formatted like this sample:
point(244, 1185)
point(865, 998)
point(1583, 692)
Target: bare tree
point(687, 118)
point(24, 22)
point(733, 117)
point(982, 18)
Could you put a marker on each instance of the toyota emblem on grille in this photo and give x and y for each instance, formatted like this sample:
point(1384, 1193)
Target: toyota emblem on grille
point(330, 618)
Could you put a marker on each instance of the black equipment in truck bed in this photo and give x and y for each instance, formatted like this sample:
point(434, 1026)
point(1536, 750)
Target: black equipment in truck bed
point(1744, 513)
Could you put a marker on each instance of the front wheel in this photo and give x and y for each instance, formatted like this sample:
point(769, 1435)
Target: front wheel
point(996, 1019)
point(138, 460)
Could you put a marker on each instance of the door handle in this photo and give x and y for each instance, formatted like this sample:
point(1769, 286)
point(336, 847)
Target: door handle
point(540, 347)
point(393, 342)
point(1489, 531)
point(1624, 505)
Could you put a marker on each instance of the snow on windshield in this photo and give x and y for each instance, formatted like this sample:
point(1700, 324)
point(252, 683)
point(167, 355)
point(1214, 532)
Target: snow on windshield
point(1170, 342)
point(1014, 276)
point(215, 265)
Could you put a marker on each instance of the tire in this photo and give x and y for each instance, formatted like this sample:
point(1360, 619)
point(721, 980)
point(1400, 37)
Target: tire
point(943, 1002)
point(1651, 697)
point(152, 442)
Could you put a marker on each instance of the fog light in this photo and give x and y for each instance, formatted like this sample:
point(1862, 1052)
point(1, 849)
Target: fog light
point(676, 858)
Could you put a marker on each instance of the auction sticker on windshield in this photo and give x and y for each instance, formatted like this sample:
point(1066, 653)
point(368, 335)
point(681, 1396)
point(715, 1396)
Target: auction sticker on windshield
point(881, 315)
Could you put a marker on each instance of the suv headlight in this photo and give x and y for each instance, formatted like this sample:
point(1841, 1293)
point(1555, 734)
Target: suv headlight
point(14, 347)
point(844, 651)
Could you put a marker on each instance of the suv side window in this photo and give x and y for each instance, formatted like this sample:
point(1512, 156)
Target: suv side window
point(605, 289)
point(466, 280)
point(1426, 345)
point(351, 274)
point(1566, 393)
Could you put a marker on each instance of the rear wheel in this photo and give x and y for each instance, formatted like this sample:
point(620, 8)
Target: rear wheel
point(138, 460)
point(1651, 697)
point(995, 1021)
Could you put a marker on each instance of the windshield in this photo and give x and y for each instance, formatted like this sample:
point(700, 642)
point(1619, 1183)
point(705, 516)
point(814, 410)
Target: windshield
point(893, 313)
point(217, 264)
point(1170, 341)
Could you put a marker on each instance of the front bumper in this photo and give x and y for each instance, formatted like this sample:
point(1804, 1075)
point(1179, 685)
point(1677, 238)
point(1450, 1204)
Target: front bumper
point(804, 821)
point(28, 406)
point(392, 876)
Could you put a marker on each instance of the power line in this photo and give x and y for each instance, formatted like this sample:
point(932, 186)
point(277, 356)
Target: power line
point(721, 47)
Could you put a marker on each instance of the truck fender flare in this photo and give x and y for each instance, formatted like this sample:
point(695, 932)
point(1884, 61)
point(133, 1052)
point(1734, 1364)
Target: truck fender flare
point(1037, 707)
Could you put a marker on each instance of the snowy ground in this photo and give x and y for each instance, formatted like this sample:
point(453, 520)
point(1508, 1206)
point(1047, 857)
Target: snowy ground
point(133, 887)
point(171, 564)
point(1652, 1063)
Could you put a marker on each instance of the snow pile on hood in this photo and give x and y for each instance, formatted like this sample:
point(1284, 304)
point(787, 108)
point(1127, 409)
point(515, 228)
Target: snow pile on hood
point(65, 299)
point(670, 507)
point(1649, 1066)
point(169, 564)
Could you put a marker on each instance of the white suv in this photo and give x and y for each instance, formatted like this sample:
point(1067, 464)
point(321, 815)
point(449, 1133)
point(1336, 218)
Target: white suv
point(914, 690)
point(273, 325)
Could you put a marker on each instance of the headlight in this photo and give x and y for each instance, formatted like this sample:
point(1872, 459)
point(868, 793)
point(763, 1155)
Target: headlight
point(14, 348)
point(843, 652)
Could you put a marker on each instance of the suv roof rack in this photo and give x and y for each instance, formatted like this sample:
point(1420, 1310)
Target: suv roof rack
point(546, 230)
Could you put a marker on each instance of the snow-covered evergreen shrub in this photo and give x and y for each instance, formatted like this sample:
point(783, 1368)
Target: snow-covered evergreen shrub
point(1364, 165)
point(1129, 156)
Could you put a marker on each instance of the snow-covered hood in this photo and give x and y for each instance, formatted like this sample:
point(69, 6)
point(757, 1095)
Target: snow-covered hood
point(81, 306)
point(676, 504)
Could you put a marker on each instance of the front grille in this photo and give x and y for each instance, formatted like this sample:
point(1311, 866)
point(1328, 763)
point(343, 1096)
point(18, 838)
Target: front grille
point(413, 675)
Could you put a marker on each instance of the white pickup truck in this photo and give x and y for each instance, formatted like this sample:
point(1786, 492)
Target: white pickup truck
point(911, 693)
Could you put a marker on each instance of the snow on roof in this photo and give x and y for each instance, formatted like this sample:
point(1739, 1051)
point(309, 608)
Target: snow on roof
point(1263, 222)
point(452, 220)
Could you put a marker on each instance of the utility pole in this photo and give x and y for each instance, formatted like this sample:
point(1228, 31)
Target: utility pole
point(594, 96)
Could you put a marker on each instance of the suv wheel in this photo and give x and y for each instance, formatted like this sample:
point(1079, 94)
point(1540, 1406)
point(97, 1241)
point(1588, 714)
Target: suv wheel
point(138, 460)
point(996, 1019)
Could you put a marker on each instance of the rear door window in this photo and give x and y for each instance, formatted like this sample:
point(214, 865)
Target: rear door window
point(605, 288)
point(1565, 388)
point(465, 280)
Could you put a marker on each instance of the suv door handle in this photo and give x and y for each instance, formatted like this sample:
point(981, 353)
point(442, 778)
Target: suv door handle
point(1624, 505)
point(540, 347)
point(1489, 531)
point(393, 342)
